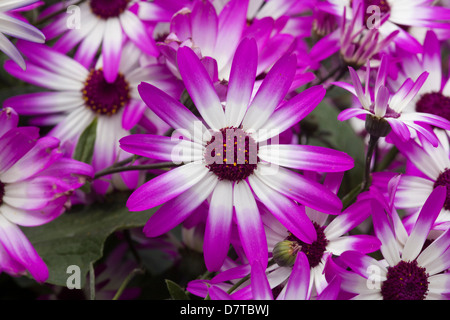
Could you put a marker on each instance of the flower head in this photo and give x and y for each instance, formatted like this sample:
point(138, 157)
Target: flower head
point(106, 26)
point(78, 95)
point(36, 182)
point(232, 171)
point(414, 264)
point(383, 109)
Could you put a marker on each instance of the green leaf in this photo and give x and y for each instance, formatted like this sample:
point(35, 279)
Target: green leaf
point(327, 131)
point(175, 291)
point(85, 146)
point(78, 236)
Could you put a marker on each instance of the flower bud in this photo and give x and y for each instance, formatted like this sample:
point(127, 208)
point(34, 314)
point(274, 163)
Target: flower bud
point(285, 252)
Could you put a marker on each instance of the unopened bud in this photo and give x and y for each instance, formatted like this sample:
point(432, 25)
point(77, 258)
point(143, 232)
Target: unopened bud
point(285, 253)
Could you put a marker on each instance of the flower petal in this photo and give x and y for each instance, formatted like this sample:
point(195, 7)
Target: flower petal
point(200, 88)
point(166, 186)
point(251, 230)
point(218, 226)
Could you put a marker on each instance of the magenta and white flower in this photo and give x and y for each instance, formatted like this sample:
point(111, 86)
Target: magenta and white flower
point(383, 106)
point(233, 183)
point(78, 95)
point(105, 25)
point(16, 28)
point(36, 182)
point(427, 168)
point(413, 265)
point(215, 34)
point(332, 239)
point(356, 44)
point(434, 96)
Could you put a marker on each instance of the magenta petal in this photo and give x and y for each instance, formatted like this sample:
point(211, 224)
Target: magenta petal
point(360, 263)
point(291, 112)
point(352, 112)
point(295, 186)
point(136, 31)
point(216, 293)
point(332, 290)
point(312, 158)
point(218, 226)
point(272, 91)
point(9, 120)
point(200, 88)
point(232, 22)
point(260, 285)
point(43, 153)
point(352, 216)
point(242, 79)
point(298, 285)
point(204, 24)
point(132, 114)
point(384, 231)
point(112, 49)
point(176, 210)
point(427, 216)
point(168, 109)
point(251, 230)
point(291, 215)
point(162, 148)
point(20, 248)
point(166, 186)
point(15, 144)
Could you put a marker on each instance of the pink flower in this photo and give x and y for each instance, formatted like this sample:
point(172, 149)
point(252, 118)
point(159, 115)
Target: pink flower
point(36, 183)
point(233, 183)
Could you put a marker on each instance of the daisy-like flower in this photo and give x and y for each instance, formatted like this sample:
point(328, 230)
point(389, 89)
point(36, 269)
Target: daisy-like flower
point(259, 285)
point(207, 32)
point(355, 42)
point(214, 35)
point(229, 162)
point(104, 25)
point(16, 28)
point(36, 183)
point(399, 13)
point(78, 95)
point(383, 110)
point(434, 96)
point(414, 264)
point(332, 239)
point(427, 168)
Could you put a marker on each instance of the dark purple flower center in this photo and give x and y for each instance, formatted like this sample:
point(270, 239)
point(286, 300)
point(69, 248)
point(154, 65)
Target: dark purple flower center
point(405, 281)
point(232, 154)
point(435, 103)
point(103, 97)
point(108, 8)
point(2, 192)
point(444, 180)
point(382, 4)
point(314, 251)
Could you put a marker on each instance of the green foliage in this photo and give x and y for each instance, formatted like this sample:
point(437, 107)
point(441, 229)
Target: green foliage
point(78, 236)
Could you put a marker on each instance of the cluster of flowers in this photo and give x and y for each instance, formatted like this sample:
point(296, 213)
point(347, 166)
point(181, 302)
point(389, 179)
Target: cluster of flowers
point(216, 89)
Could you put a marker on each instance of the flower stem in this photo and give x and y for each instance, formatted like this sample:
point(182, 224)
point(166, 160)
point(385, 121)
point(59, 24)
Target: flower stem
point(126, 281)
point(115, 169)
point(373, 140)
